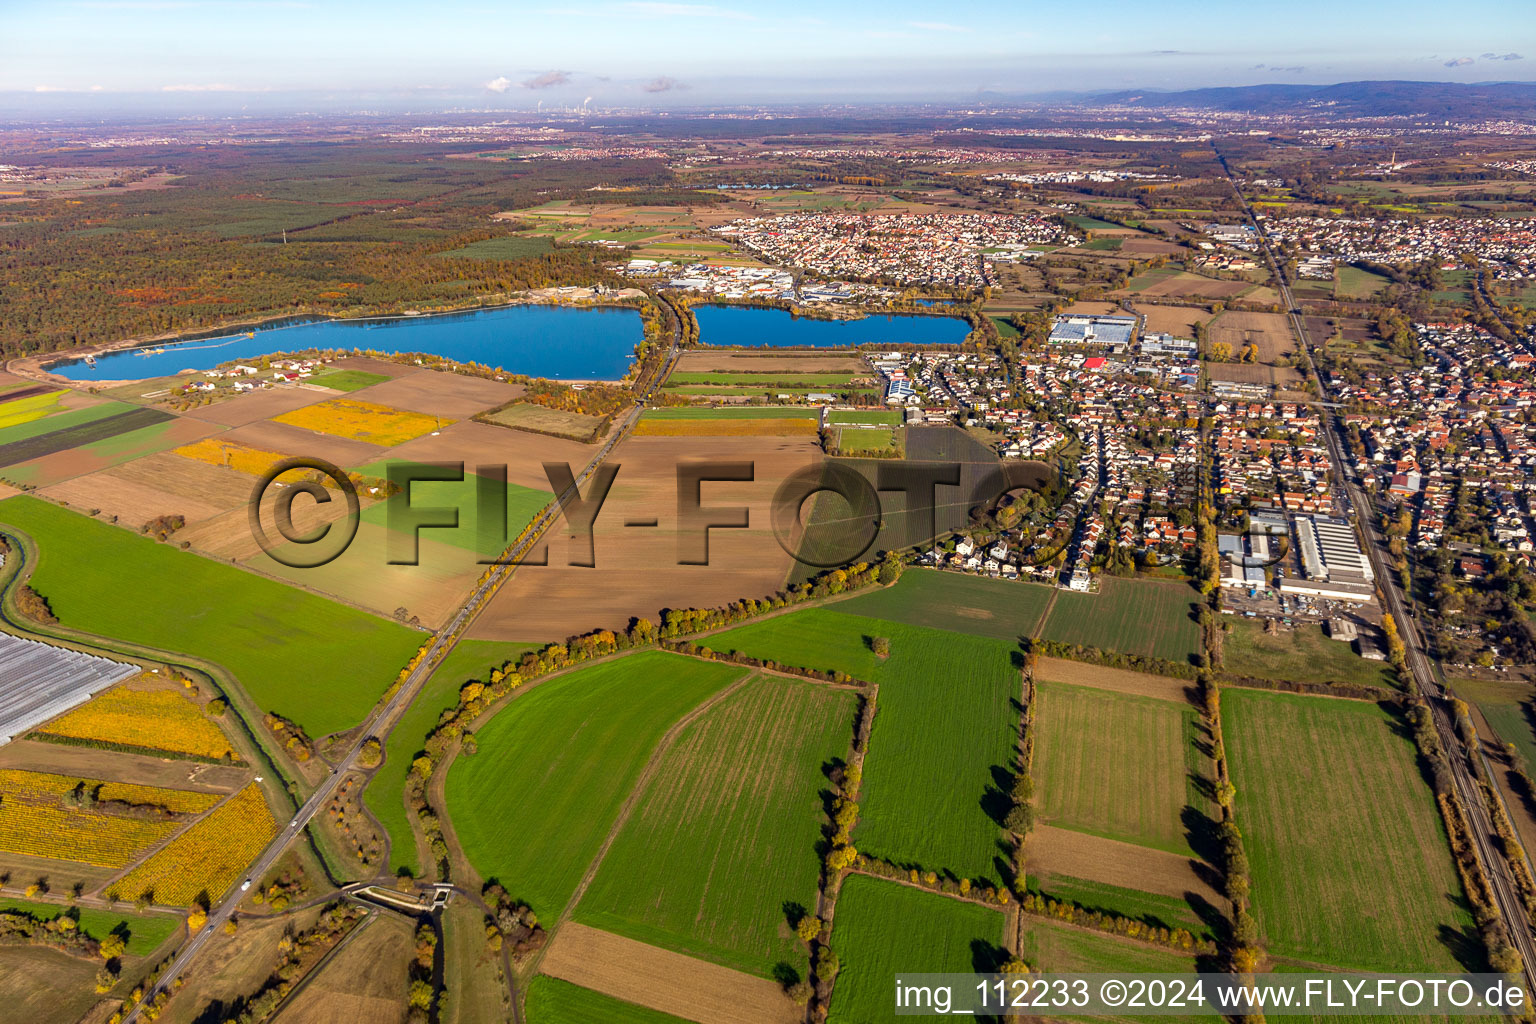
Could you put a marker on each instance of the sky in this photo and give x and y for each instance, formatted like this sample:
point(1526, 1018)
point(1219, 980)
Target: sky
point(655, 53)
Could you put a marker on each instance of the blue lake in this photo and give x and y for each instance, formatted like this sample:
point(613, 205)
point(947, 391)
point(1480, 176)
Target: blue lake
point(556, 342)
point(776, 328)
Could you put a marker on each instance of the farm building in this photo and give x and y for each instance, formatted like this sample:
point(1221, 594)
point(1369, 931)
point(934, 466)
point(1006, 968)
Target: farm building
point(38, 682)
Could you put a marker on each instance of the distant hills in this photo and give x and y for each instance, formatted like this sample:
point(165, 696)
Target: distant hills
point(1443, 100)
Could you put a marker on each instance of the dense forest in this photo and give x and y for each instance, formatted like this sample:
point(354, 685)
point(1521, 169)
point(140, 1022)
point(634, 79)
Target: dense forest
point(284, 230)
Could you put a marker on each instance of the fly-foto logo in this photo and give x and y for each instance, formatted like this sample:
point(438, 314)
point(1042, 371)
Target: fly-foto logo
point(924, 496)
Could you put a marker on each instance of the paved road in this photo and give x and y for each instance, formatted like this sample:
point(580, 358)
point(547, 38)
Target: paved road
point(1420, 667)
point(383, 719)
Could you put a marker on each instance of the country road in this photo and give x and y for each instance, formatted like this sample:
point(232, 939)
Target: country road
point(1421, 669)
point(383, 719)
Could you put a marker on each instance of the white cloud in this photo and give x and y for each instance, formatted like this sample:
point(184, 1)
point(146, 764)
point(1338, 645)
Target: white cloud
point(501, 83)
point(547, 80)
point(656, 8)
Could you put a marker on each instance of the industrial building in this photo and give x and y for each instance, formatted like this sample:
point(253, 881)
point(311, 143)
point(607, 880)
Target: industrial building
point(1113, 332)
point(1333, 566)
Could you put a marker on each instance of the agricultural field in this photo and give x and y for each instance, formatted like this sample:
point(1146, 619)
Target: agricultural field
point(1268, 333)
point(620, 709)
point(802, 425)
point(754, 412)
point(883, 928)
point(1120, 766)
point(243, 458)
point(365, 981)
point(641, 574)
point(879, 417)
point(1302, 653)
point(1356, 283)
point(160, 722)
point(347, 380)
point(112, 583)
point(855, 442)
point(36, 820)
point(362, 421)
point(1506, 707)
point(543, 420)
point(551, 1001)
point(38, 444)
point(144, 933)
point(1350, 861)
point(945, 727)
point(398, 511)
point(469, 661)
point(1132, 616)
point(955, 601)
point(725, 835)
point(208, 857)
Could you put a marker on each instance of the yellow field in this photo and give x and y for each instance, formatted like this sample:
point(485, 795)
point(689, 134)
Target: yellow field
point(33, 786)
point(727, 428)
point(35, 822)
point(207, 857)
point(255, 461)
point(25, 410)
point(362, 421)
point(152, 719)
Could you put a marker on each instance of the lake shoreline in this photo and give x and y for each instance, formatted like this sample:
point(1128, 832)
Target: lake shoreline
point(39, 366)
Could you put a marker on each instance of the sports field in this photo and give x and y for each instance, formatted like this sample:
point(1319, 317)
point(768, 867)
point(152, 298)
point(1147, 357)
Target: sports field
point(551, 1001)
point(1349, 858)
point(955, 601)
point(576, 744)
point(1302, 654)
point(1118, 765)
point(945, 725)
point(725, 834)
point(112, 583)
point(1134, 616)
point(883, 929)
point(470, 660)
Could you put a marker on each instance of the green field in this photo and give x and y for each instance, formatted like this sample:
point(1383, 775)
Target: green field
point(555, 765)
point(511, 247)
point(523, 503)
point(1005, 328)
point(883, 417)
point(470, 660)
point(945, 722)
point(1118, 765)
point(1134, 616)
point(763, 381)
point(1505, 705)
point(1092, 223)
point(955, 601)
point(1355, 283)
point(750, 412)
point(1302, 654)
point(144, 933)
point(1349, 858)
point(864, 441)
point(551, 1001)
point(883, 929)
point(111, 583)
point(725, 834)
point(347, 380)
point(1456, 287)
point(42, 414)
